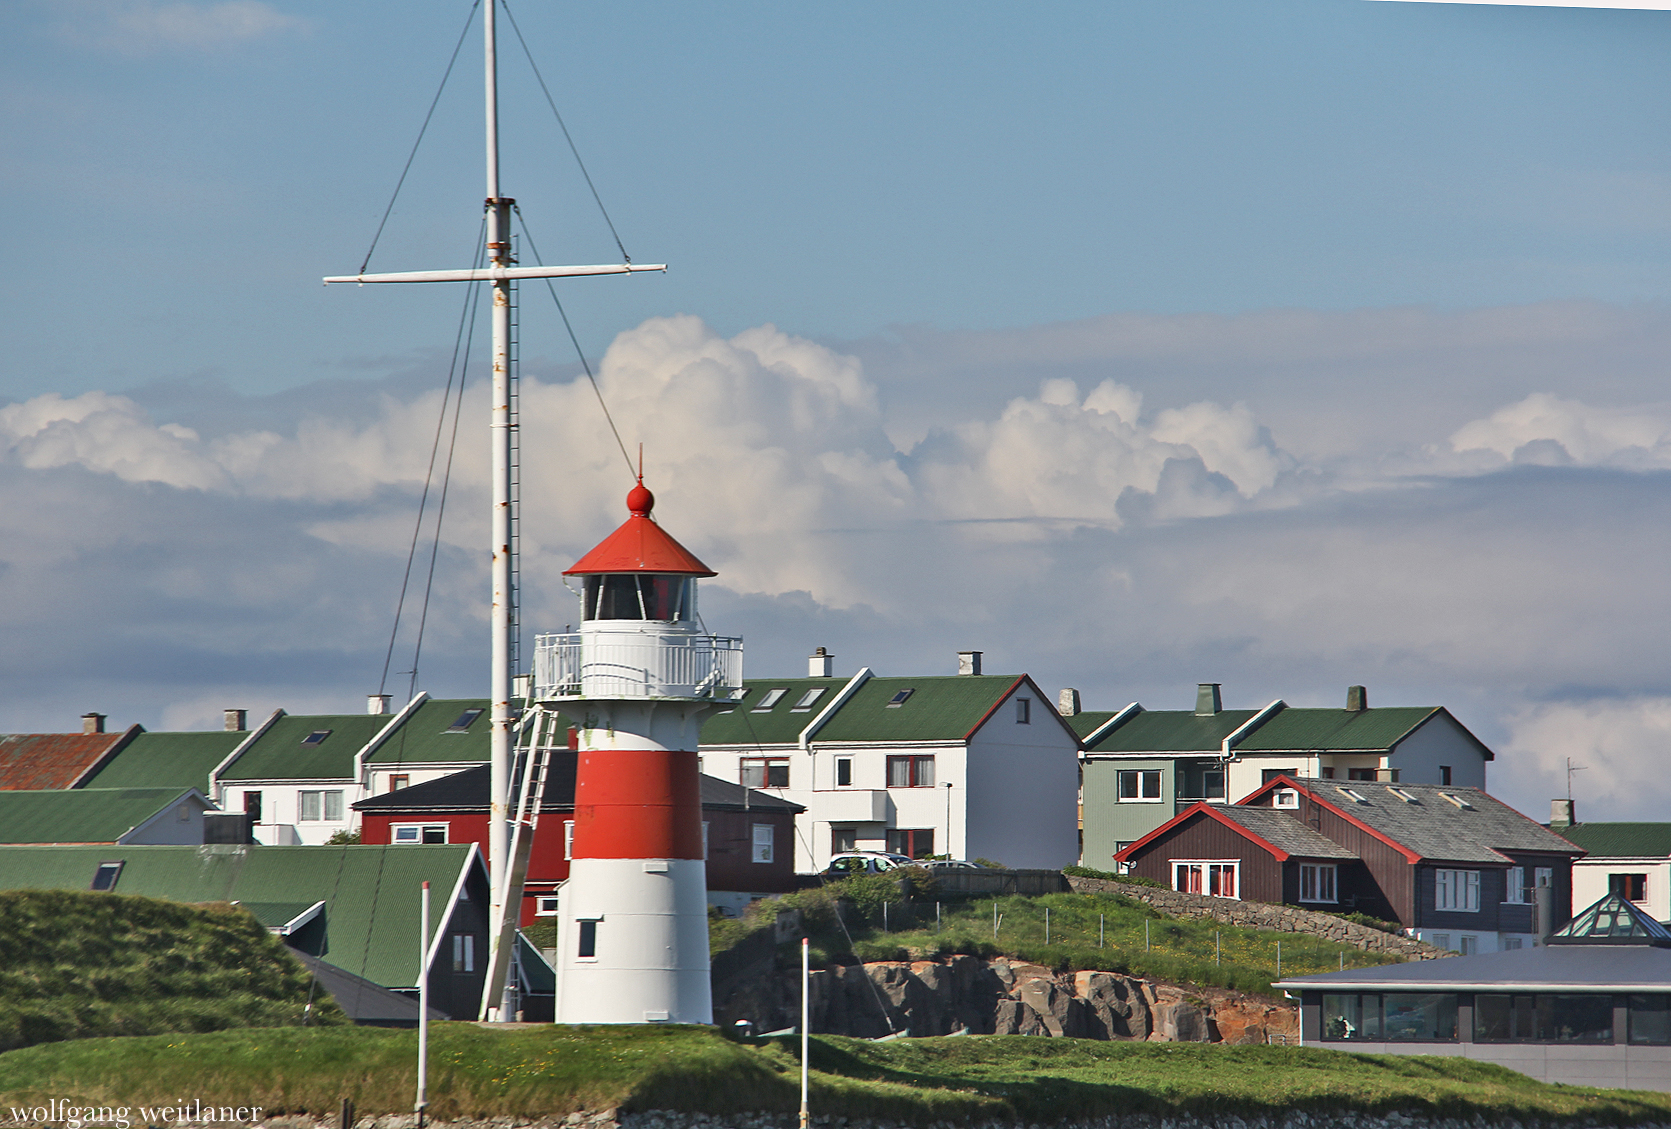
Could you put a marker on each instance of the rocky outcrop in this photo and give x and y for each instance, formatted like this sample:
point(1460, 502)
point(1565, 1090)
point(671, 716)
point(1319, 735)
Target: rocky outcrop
point(965, 994)
point(1263, 915)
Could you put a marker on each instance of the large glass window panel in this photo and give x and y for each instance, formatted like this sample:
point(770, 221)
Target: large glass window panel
point(1650, 1019)
point(1584, 1018)
point(1419, 1017)
point(1352, 1018)
point(1492, 1018)
point(613, 596)
point(664, 596)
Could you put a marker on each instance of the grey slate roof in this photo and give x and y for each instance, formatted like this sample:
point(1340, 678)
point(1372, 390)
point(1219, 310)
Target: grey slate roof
point(1432, 826)
point(1555, 968)
point(1285, 833)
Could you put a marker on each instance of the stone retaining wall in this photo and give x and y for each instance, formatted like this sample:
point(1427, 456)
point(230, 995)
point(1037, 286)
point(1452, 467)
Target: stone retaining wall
point(1263, 915)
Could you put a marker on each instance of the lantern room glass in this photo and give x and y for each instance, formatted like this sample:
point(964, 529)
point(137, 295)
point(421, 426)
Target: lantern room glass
point(640, 596)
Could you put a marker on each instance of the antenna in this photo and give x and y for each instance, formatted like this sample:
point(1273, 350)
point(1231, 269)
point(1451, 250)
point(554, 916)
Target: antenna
point(1572, 768)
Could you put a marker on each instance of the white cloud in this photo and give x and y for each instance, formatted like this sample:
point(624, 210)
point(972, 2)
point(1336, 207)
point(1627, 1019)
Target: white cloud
point(1617, 744)
point(138, 27)
point(1546, 430)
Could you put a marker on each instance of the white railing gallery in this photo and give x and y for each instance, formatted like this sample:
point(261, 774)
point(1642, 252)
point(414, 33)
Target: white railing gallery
point(674, 665)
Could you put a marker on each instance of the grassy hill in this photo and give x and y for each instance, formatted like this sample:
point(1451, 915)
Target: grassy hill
point(550, 1071)
point(74, 965)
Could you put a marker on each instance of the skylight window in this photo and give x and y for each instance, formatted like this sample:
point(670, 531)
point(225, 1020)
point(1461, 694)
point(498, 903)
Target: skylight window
point(901, 698)
point(1403, 795)
point(805, 703)
point(1351, 794)
point(104, 878)
point(462, 725)
point(1458, 801)
point(317, 737)
point(772, 698)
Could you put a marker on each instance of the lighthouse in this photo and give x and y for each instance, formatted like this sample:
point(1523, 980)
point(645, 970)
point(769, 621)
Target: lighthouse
point(638, 680)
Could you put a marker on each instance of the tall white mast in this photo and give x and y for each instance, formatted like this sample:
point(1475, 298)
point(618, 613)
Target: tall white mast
point(500, 271)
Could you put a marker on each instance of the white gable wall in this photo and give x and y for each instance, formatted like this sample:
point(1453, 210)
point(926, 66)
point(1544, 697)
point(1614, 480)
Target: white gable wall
point(1023, 789)
point(1439, 741)
point(1590, 881)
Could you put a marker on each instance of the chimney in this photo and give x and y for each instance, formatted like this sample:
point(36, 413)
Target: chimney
point(92, 723)
point(1560, 814)
point(1357, 699)
point(1067, 702)
point(1207, 701)
point(235, 720)
point(821, 664)
point(377, 703)
point(969, 662)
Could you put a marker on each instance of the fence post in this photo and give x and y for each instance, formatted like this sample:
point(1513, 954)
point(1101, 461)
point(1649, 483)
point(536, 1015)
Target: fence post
point(1279, 959)
point(1217, 954)
point(1145, 934)
point(884, 917)
point(1099, 930)
point(1047, 925)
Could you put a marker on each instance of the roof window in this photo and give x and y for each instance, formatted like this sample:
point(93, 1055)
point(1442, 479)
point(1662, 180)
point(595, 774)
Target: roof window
point(806, 700)
point(1457, 800)
point(772, 698)
point(1285, 798)
point(1351, 794)
point(104, 878)
point(1403, 795)
point(462, 725)
point(901, 698)
point(317, 737)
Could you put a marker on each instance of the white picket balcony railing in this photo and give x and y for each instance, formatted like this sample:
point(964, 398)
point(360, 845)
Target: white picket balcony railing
point(673, 665)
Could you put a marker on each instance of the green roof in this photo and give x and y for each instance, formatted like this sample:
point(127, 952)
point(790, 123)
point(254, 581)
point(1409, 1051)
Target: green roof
point(943, 708)
point(1292, 729)
point(168, 760)
point(423, 736)
point(781, 725)
point(371, 893)
point(1619, 839)
point(82, 815)
point(1171, 731)
point(278, 754)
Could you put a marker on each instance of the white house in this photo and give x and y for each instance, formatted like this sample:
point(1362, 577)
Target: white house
point(1632, 860)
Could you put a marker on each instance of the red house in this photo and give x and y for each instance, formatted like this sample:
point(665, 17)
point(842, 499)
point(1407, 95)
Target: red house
point(747, 835)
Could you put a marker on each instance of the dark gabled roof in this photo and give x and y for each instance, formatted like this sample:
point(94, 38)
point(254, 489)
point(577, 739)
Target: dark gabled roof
point(1290, 729)
point(424, 738)
point(467, 791)
point(1428, 826)
point(366, 1003)
point(167, 760)
point(371, 893)
point(1619, 839)
point(278, 753)
point(1545, 968)
point(1611, 921)
point(85, 815)
point(1278, 834)
point(39, 761)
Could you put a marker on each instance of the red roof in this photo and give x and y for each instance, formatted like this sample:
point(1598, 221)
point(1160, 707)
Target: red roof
point(640, 545)
point(36, 761)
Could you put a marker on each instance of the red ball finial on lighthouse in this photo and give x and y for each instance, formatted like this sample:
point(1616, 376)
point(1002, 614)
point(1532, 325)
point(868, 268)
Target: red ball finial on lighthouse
point(640, 500)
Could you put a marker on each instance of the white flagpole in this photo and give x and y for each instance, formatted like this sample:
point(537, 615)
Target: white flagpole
point(806, 1023)
point(423, 1006)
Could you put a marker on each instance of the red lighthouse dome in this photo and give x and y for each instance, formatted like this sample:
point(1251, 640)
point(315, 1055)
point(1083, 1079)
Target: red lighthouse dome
point(640, 545)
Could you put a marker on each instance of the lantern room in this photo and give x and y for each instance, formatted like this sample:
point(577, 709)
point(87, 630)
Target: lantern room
point(640, 636)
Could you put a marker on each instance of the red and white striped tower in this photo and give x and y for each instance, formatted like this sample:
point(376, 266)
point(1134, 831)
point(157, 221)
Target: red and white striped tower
point(638, 679)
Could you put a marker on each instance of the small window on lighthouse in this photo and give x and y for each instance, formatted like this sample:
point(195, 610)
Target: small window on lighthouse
point(588, 949)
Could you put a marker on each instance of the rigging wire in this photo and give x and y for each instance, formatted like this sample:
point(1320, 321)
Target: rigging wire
point(410, 157)
point(578, 351)
point(460, 348)
point(550, 101)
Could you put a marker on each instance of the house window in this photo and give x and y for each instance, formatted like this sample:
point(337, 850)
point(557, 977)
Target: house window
point(900, 699)
point(1215, 879)
point(772, 698)
point(762, 842)
point(1360, 774)
point(844, 772)
point(1545, 876)
point(545, 906)
point(1441, 940)
point(1575, 1018)
point(1631, 887)
point(1396, 1017)
point(252, 806)
point(1266, 775)
point(419, 833)
point(1445, 775)
point(1327, 772)
point(568, 839)
point(399, 780)
point(1650, 1019)
point(464, 952)
point(914, 842)
point(317, 737)
point(588, 947)
point(104, 878)
point(843, 839)
point(1212, 784)
point(462, 723)
point(321, 806)
point(1317, 883)
point(1468, 945)
point(910, 772)
point(1457, 890)
point(1285, 798)
point(1514, 892)
point(765, 774)
point(1139, 785)
point(1023, 711)
point(804, 703)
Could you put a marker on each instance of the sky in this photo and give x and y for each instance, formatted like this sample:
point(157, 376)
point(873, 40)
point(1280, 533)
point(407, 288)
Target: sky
point(1288, 345)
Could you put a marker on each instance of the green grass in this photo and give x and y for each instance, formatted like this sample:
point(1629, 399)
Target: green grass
point(1134, 939)
point(549, 1071)
point(74, 965)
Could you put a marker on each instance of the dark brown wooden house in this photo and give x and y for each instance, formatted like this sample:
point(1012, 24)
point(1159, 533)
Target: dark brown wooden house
point(1253, 854)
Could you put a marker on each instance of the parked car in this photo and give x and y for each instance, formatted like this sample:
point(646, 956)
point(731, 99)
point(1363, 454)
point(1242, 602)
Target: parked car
point(849, 863)
point(951, 864)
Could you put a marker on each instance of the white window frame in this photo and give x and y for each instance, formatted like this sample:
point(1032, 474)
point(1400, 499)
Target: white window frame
point(1319, 882)
point(1142, 775)
point(546, 905)
point(1456, 891)
point(464, 952)
point(1514, 893)
point(761, 841)
point(1210, 868)
point(1285, 798)
point(418, 830)
point(568, 839)
point(840, 763)
point(324, 799)
point(764, 766)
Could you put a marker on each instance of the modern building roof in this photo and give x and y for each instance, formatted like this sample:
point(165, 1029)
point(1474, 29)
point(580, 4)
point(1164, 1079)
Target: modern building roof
point(1288, 729)
point(640, 545)
point(1431, 822)
point(940, 708)
point(1546, 968)
point(1612, 921)
point(371, 893)
point(1619, 840)
point(307, 747)
point(35, 761)
point(447, 730)
point(467, 791)
point(167, 760)
point(87, 815)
